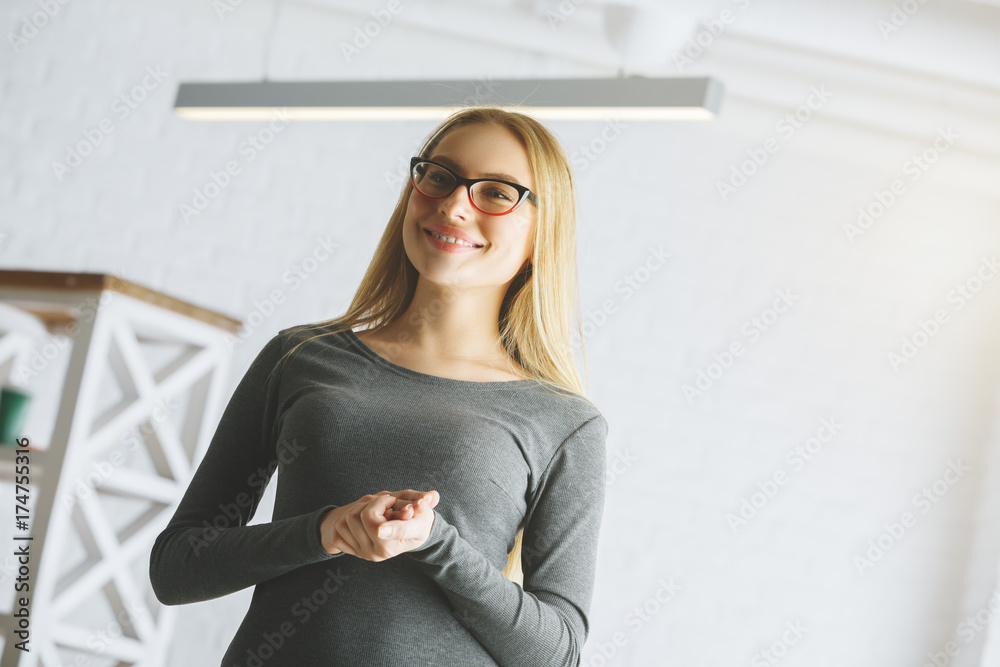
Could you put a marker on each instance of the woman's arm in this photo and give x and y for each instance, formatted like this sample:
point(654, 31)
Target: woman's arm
point(546, 622)
point(207, 550)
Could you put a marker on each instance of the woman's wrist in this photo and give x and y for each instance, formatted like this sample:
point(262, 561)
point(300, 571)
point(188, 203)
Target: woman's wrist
point(328, 532)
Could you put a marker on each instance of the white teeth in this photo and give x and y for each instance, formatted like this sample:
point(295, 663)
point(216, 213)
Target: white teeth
point(452, 239)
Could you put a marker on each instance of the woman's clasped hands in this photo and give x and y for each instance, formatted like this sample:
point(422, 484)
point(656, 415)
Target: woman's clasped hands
point(380, 526)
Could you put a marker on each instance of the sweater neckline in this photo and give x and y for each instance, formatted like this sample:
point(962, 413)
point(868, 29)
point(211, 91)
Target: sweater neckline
point(431, 379)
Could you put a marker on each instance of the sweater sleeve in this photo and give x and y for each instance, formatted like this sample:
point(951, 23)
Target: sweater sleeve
point(207, 550)
point(545, 623)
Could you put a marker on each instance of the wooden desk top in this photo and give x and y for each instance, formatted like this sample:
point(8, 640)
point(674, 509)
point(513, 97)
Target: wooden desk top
point(98, 282)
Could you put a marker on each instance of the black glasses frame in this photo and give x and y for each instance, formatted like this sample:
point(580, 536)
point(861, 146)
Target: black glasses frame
point(523, 192)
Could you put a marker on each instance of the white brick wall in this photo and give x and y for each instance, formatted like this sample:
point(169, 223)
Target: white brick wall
point(683, 465)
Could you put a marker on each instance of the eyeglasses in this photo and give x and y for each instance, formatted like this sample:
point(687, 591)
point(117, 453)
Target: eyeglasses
point(487, 195)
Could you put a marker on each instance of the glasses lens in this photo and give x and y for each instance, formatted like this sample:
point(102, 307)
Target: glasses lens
point(489, 196)
point(494, 197)
point(432, 180)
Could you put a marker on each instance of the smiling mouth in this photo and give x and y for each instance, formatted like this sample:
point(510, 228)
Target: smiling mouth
point(445, 238)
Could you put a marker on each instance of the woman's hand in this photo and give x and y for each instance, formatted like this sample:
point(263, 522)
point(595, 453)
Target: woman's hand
point(354, 529)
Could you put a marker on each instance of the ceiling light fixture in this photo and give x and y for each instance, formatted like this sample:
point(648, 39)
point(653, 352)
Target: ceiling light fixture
point(636, 98)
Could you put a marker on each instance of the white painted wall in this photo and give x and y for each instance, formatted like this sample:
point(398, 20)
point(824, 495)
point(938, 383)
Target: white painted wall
point(653, 186)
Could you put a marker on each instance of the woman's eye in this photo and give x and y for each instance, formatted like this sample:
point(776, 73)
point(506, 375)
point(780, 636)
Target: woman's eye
point(498, 193)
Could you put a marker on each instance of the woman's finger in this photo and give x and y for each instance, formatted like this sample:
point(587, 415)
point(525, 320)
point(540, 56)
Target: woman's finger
point(359, 536)
point(364, 524)
point(345, 535)
point(409, 495)
point(414, 497)
point(391, 530)
point(429, 499)
point(340, 543)
point(401, 515)
point(407, 501)
point(375, 515)
point(402, 531)
point(405, 510)
point(353, 531)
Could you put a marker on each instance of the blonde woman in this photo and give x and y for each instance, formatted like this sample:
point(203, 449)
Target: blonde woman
point(462, 393)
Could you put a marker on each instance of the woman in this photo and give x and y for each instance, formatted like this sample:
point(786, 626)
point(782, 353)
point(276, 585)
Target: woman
point(462, 393)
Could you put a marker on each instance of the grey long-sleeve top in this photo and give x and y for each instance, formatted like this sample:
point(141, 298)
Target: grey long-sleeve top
point(337, 421)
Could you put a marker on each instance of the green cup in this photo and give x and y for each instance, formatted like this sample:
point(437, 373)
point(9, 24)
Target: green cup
point(13, 409)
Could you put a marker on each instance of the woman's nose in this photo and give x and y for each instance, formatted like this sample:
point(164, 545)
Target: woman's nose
point(460, 197)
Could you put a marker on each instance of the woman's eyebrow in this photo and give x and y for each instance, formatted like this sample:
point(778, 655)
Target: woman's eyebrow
point(451, 163)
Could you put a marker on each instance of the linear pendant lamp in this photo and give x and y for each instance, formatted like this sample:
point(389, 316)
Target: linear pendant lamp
point(626, 98)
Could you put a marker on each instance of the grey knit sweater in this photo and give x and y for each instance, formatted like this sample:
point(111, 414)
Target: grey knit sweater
point(337, 421)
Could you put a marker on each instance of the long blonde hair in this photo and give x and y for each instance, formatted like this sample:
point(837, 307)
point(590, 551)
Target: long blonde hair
point(538, 310)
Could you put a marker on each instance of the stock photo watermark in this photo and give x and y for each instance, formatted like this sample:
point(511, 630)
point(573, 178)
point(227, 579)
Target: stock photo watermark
point(363, 35)
point(562, 12)
point(122, 107)
point(101, 469)
point(914, 167)
point(101, 640)
point(966, 630)
point(595, 318)
point(778, 649)
point(484, 92)
point(753, 328)
point(231, 514)
point(585, 154)
point(621, 463)
point(636, 619)
point(252, 146)
point(302, 611)
point(796, 457)
point(898, 17)
point(223, 7)
point(32, 23)
point(295, 276)
point(40, 358)
point(924, 500)
point(786, 127)
point(927, 329)
point(702, 40)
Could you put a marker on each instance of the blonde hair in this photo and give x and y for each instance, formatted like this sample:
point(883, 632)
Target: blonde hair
point(537, 312)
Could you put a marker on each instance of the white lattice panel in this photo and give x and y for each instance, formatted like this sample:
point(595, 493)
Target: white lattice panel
point(139, 403)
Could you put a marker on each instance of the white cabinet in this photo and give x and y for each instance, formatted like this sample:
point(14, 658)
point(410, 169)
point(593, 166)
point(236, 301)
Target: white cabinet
point(141, 397)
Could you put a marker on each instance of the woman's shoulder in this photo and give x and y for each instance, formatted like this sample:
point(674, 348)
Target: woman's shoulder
point(308, 329)
point(282, 344)
point(558, 404)
point(301, 333)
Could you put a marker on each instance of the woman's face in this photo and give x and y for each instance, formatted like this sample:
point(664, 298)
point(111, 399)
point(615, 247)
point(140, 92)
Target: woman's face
point(473, 151)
